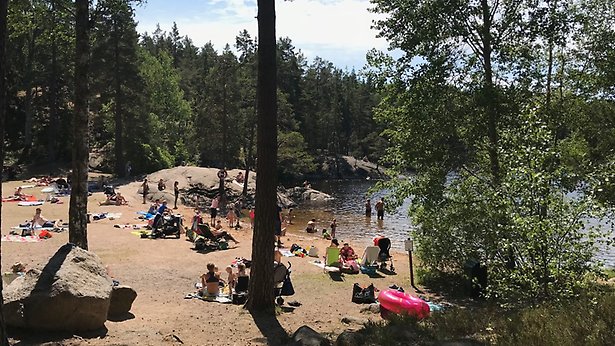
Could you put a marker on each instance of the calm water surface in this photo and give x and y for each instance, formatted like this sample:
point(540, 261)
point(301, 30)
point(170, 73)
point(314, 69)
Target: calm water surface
point(348, 208)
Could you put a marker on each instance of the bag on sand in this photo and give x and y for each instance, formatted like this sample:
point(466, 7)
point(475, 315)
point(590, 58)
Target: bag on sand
point(362, 295)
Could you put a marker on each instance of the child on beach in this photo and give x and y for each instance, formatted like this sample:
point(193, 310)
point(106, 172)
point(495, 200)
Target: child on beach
point(230, 216)
point(231, 280)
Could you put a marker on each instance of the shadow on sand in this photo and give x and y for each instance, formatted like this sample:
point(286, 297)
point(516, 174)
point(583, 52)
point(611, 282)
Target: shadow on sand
point(269, 326)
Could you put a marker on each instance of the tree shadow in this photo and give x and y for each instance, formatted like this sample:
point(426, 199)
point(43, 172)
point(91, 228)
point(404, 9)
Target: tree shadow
point(47, 276)
point(385, 271)
point(336, 276)
point(269, 326)
point(374, 275)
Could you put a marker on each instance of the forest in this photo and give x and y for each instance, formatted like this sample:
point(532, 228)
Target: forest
point(159, 101)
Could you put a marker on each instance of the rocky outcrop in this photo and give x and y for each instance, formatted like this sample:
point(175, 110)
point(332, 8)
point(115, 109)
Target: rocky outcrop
point(71, 293)
point(348, 167)
point(302, 194)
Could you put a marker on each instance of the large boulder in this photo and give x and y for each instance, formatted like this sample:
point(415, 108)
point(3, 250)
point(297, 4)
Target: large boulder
point(71, 293)
point(121, 301)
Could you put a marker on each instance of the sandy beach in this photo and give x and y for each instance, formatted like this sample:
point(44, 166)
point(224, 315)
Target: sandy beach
point(163, 271)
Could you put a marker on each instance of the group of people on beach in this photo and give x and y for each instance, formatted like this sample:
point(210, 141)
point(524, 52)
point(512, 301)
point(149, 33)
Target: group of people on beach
point(161, 187)
point(212, 281)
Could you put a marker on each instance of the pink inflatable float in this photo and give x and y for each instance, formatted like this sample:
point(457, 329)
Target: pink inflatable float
point(393, 301)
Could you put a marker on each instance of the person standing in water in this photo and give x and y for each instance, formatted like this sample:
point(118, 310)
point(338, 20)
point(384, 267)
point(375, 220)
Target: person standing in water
point(380, 209)
point(368, 208)
point(333, 228)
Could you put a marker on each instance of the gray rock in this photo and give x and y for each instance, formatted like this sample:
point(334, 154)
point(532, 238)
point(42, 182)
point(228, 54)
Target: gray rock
point(349, 338)
point(71, 293)
point(306, 336)
point(373, 308)
point(121, 301)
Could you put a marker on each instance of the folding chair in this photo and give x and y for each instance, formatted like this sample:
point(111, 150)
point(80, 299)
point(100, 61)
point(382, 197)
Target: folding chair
point(332, 259)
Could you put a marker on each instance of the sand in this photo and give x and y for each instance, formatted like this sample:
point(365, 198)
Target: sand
point(163, 271)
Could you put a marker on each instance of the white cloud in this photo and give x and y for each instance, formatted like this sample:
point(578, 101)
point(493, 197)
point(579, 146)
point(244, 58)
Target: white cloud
point(337, 30)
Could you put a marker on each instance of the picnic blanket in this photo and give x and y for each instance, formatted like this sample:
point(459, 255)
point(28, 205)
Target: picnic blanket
point(286, 253)
point(20, 239)
point(139, 233)
point(105, 215)
point(146, 215)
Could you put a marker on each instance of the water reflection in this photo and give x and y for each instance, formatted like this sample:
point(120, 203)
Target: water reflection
point(348, 209)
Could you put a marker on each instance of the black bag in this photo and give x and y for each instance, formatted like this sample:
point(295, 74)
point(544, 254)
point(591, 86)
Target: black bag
point(287, 287)
point(362, 295)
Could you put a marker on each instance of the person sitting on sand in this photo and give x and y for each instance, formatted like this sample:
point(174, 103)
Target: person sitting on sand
point(334, 243)
point(19, 193)
point(311, 226)
point(326, 234)
point(38, 220)
point(219, 233)
point(153, 209)
point(239, 178)
point(210, 281)
point(161, 185)
point(348, 258)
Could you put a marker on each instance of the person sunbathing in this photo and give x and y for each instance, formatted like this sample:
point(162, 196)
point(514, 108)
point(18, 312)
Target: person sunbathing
point(210, 281)
point(220, 233)
point(38, 220)
point(116, 199)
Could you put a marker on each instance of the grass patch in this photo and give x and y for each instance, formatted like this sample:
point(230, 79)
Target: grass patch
point(609, 273)
point(586, 320)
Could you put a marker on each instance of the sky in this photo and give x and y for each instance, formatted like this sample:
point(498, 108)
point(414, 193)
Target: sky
point(335, 30)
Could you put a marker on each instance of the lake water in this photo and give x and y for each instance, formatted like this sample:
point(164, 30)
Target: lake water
point(349, 211)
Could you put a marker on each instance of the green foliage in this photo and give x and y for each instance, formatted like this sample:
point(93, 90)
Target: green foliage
point(509, 171)
point(588, 320)
point(293, 160)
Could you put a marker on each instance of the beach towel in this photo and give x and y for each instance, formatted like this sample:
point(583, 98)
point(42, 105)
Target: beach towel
point(123, 226)
point(49, 189)
point(30, 203)
point(146, 215)
point(20, 239)
point(26, 198)
point(27, 186)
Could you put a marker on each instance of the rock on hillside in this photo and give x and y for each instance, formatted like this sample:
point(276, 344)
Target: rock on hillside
point(348, 167)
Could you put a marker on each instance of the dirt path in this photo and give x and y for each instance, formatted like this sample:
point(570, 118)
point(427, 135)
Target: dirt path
point(163, 271)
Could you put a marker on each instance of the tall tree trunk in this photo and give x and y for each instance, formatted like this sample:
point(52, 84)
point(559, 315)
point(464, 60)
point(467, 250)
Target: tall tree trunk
point(261, 281)
point(249, 161)
point(119, 141)
point(77, 215)
point(54, 117)
point(489, 94)
point(30, 94)
point(3, 106)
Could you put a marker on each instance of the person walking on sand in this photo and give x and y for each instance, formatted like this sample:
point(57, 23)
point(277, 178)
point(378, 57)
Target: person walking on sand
point(176, 191)
point(368, 208)
point(380, 209)
point(145, 188)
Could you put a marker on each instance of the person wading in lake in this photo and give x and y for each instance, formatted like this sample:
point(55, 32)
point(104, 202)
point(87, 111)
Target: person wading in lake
point(368, 208)
point(380, 209)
